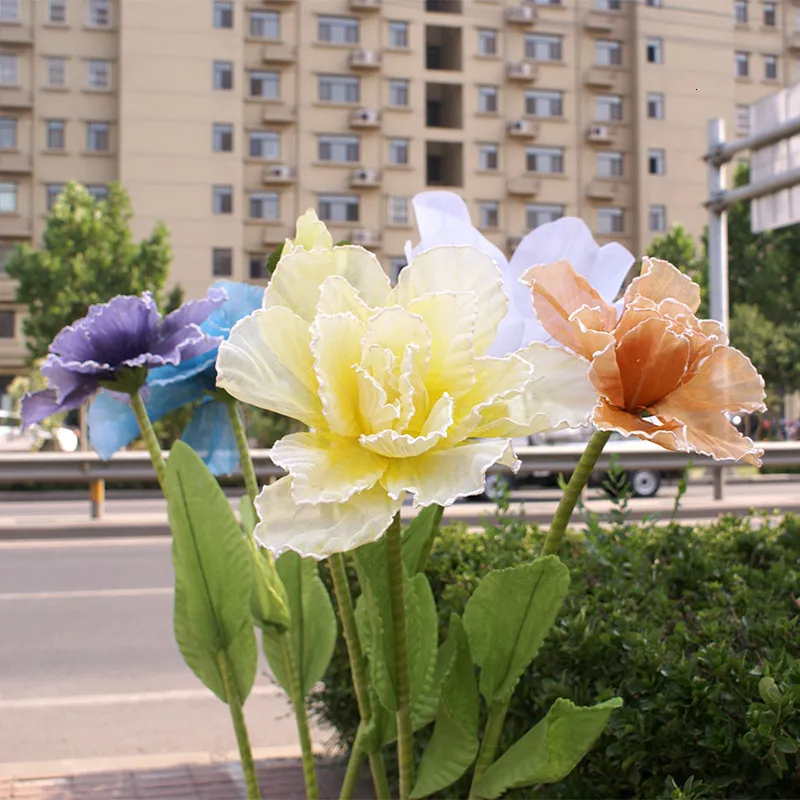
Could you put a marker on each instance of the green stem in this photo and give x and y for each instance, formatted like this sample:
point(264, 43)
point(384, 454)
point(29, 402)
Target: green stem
point(405, 733)
point(573, 491)
point(354, 764)
point(428, 546)
point(239, 726)
point(150, 440)
point(303, 731)
point(358, 668)
point(245, 459)
point(491, 738)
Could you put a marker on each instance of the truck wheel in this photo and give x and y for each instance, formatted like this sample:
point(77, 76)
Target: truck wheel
point(645, 482)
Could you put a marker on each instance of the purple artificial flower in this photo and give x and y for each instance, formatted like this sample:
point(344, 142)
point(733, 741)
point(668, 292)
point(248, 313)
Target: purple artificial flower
point(116, 343)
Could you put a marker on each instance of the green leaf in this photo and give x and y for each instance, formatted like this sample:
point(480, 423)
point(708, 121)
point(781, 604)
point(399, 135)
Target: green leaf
point(454, 744)
point(312, 624)
point(418, 538)
point(213, 576)
point(550, 750)
point(273, 258)
point(268, 603)
point(247, 514)
point(507, 618)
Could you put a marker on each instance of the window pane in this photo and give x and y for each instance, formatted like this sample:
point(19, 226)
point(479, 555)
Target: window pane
point(97, 136)
point(9, 10)
point(55, 134)
point(222, 262)
point(8, 197)
point(7, 324)
point(338, 148)
point(398, 34)
point(8, 69)
point(223, 14)
point(222, 137)
point(100, 13)
point(8, 133)
point(265, 24)
point(58, 11)
point(339, 89)
point(223, 75)
point(222, 199)
point(98, 74)
point(338, 30)
point(265, 144)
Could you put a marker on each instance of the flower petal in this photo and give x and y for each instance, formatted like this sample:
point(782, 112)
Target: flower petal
point(210, 434)
point(337, 296)
point(659, 281)
point(442, 476)
point(668, 434)
point(267, 362)
point(311, 234)
point(299, 275)
point(243, 299)
point(319, 530)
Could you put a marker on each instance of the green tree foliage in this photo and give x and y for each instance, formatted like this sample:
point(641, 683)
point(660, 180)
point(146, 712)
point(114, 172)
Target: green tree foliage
point(679, 248)
point(87, 256)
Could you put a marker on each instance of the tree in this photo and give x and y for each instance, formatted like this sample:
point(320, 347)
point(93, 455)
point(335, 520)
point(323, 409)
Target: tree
point(87, 256)
point(678, 247)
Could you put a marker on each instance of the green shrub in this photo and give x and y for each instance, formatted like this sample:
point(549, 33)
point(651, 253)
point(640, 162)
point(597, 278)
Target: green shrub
point(684, 624)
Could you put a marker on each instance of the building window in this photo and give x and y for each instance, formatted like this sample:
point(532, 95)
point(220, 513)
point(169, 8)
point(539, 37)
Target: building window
point(770, 15)
point(396, 264)
point(740, 12)
point(487, 156)
point(741, 64)
point(52, 193)
point(258, 267)
point(610, 220)
point(338, 208)
point(265, 24)
point(655, 106)
point(742, 120)
point(339, 148)
point(544, 159)
point(537, 214)
point(97, 137)
point(397, 210)
point(55, 138)
point(338, 30)
point(489, 214)
point(656, 162)
point(608, 108)
point(9, 10)
point(487, 41)
point(607, 53)
point(398, 151)
point(655, 50)
point(657, 216)
point(771, 68)
point(339, 89)
point(609, 164)
point(265, 84)
point(265, 205)
point(487, 99)
point(398, 34)
point(8, 69)
point(222, 262)
point(57, 13)
point(222, 137)
point(7, 324)
point(223, 14)
point(98, 74)
point(98, 191)
point(265, 144)
point(100, 13)
point(222, 199)
point(398, 92)
point(8, 133)
point(223, 75)
point(8, 197)
point(653, 3)
point(540, 103)
point(56, 72)
point(542, 47)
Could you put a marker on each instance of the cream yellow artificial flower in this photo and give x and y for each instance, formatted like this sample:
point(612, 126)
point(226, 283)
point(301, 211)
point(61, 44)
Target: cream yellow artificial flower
point(310, 234)
point(394, 385)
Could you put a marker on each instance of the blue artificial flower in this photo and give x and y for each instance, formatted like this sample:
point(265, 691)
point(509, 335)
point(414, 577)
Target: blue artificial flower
point(115, 342)
point(112, 424)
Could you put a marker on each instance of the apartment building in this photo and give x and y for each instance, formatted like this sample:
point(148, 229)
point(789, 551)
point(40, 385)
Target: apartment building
point(227, 118)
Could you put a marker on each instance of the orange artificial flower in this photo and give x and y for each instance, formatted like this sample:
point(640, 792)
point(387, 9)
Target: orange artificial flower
point(662, 374)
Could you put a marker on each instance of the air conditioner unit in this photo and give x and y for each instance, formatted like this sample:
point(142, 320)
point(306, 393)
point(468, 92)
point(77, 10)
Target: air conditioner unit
point(521, 69)
point(598, 133)
point(280, 171)
point(364, 57)
point(521, 14)
point(364, 116)
point(518, 126)
point(362, 236)
point(364, 175)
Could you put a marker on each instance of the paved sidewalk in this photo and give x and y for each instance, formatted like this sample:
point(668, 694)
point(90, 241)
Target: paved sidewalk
point(278, 780)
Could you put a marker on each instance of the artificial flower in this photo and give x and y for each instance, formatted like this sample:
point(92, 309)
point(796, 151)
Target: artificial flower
point(663, 375)
point(115, 344)
point(443, 218)
point(310, 234)
point(112, 423)
point(395, 385)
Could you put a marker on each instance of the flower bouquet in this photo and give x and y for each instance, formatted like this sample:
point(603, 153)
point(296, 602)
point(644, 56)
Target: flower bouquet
point(409, 394)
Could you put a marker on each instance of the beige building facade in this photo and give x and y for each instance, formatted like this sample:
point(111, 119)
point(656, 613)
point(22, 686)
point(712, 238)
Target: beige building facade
point(226, 119)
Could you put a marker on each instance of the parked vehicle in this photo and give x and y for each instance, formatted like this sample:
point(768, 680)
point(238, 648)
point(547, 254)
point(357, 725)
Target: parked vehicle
point(14, 439)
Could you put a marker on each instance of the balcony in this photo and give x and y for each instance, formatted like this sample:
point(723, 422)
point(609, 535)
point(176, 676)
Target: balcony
point(279, 114)
point(793, 41)
point(523, 129)
point(14, 227)
point(601, 77)
point(275, 233)
point(524, 186)
point(277, 175)
point(365, 118)
point(522, 71)
point(603, 189)
point(599, 134)
point(15, 34)
point(600, 22)
point(16, 98)
point(365, 5)
point(365, 179)
point(15, 164)
point(278, 54)
point(365, 237)
point(520, 15)
point(443, 48)
point(365, 59)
